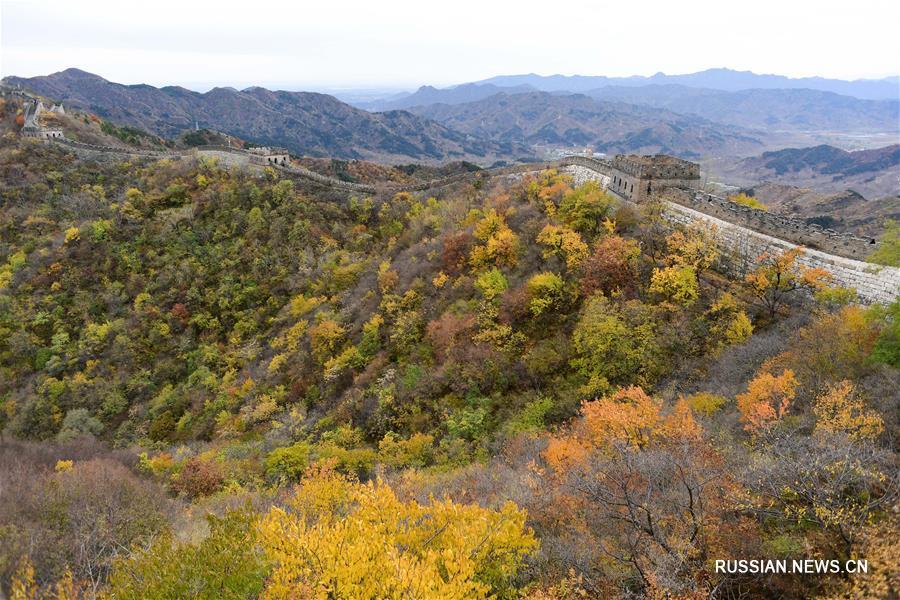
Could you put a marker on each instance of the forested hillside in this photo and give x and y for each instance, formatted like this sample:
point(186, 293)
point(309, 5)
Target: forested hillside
point(303, 122)
point(224, 384)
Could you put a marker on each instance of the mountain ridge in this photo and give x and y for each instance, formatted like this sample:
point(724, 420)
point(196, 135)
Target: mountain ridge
point(565, 120)
point(304, 122)
point(720, 78)
point(872, 173)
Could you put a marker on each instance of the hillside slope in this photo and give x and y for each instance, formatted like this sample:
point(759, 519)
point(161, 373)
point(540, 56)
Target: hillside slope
point(306, 123)
point(873, 173)
point(611, 127)
point(206, 372)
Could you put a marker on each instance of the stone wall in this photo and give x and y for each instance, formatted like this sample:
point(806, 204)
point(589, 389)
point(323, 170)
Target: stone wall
point(797, 231)
point(794, 230)
point(740, 246)
point(741, 239)
point(624, 183)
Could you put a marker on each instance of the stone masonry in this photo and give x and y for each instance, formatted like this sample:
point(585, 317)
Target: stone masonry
point(740, 244)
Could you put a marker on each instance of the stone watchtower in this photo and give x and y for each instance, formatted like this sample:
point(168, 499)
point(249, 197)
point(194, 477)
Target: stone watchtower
point(270, 156)
point(636, 177)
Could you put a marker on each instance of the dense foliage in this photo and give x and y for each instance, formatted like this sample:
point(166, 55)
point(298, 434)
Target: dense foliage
point(509, 387)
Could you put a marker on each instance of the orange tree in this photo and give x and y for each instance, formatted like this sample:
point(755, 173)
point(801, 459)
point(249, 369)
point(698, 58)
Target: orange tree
point(638, 482)
point(778, 275)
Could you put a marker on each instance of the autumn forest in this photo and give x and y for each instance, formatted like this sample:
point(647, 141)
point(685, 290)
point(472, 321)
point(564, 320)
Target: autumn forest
point(230, 383)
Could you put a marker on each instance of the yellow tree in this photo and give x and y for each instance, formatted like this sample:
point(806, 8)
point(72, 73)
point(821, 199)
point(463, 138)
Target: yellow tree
point(563, 242)
point(840, 410)
point(353, 540)
point(778, 275)
point(629, 417)
point(880, 547)
point(677, 285)
point(693, 247)
point(500, 245)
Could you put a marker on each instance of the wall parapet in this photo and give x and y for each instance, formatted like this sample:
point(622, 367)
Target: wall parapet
point(741, 246)
point(779, 226)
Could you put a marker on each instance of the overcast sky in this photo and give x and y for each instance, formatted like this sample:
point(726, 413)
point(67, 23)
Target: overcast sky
point(406, 43)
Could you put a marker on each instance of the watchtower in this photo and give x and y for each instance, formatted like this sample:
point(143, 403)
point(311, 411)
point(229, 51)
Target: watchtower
point(636, 177)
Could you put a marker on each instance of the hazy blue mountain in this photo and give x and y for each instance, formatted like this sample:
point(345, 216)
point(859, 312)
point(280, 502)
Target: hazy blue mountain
point(717, 79)
point(827, 160)
point(468, 92)
point(771, 109)
point(540, 118)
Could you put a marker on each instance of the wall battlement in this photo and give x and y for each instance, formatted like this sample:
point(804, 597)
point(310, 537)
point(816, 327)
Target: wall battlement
point(743, 234)
point(656, 166)
point(786, 228)
point(682, 192)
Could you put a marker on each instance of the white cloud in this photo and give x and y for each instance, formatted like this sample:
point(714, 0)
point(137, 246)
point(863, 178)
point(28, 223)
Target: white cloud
point(404, 42)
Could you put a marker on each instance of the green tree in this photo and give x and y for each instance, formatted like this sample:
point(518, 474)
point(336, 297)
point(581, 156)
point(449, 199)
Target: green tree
point(78, 423)
point(584, 208)
point(616, 344)
point(888, 251)
point(887, 346)
point(227, 564)
point(288, 463)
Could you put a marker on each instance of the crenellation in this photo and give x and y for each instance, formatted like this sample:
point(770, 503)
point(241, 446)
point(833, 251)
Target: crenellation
point(743, 234)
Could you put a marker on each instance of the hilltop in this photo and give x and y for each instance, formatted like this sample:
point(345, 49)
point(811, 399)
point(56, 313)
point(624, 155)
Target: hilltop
point(304, 122)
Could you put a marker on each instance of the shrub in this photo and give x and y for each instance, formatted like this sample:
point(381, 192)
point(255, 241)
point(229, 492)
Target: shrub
point(198, 477)
point(546, 292)
point(288, 463)
point(706, 403)
point(227, 564)
point(416, 452)
point(746, 200)
point(361, 541)
point(79, 422)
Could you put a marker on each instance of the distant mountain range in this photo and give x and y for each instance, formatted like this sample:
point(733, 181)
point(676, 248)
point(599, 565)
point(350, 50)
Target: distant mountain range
point(460, 94)
point(306, 123)
point(827, 160)
point(508, 118)
point(872, 173)
point(782, 110)
point(769, 109)
point(717, 79)
point(540, 118)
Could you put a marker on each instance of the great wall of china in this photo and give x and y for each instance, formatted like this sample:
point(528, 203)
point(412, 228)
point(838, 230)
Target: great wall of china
point(742, 233)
